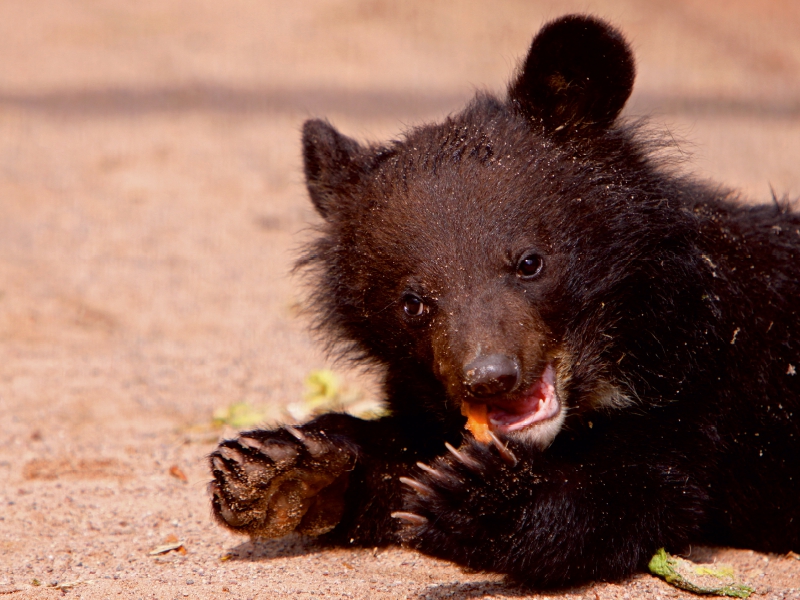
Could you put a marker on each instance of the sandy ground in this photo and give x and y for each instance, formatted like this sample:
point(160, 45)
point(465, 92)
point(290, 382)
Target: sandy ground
point(151, 203)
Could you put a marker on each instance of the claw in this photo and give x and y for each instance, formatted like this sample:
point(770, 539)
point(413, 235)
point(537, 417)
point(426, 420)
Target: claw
point(251, 443)
point(314, 448)
point(410, 518)
point(432, 472)
point(278, 451)
point(465, 460)
point(296, 433)
point(505, 452)
point(418, 487)
point(231, 454)
point(217, 464)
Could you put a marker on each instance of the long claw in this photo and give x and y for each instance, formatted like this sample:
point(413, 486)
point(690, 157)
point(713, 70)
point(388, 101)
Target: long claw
point(231, 454)
point(505, 452)
point(418, 487)
point(296, 433)
point(217, 464)
point(412, 518)
point(432, 472)
point(314, 448)
point(251, 443)
point(465, 460)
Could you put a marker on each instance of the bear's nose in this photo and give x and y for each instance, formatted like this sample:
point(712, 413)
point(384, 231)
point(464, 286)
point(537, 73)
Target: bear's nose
point(491, 375)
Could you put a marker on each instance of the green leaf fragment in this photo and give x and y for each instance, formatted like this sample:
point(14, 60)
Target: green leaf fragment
point(716, 579)
point(326, 392)
point(323, 387)
point(239, 416)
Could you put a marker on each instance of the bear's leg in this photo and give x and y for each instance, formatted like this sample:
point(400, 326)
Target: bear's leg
point(334, 470)
point(548, 520)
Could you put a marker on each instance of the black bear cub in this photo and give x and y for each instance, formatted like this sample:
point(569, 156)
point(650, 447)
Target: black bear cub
point(586, 356)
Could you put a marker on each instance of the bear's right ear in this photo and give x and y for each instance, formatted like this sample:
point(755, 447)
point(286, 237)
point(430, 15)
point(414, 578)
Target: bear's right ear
point(331, 163)
point(577, 76)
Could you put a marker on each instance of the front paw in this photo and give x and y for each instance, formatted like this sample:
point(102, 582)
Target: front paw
point(464, 505)
point(270, 483)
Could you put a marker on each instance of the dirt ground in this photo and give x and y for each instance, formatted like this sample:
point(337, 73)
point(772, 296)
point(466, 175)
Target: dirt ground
point(151, 204)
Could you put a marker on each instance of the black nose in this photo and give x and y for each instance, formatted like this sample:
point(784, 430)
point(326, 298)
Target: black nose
point(491, 375)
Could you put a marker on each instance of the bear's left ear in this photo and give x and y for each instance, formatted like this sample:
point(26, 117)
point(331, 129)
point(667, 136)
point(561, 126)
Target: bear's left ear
point(578, 75)
point(332, 163)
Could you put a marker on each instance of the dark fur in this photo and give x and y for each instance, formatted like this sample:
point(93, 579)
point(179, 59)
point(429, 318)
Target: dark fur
point(668, 307)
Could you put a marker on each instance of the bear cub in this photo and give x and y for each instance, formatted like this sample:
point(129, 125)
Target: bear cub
point(586, 356)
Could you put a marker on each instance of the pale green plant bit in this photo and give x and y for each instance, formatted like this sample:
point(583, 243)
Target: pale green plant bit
point(323, 386)
point(716, 579)
point(326, 392)
point(240, 415)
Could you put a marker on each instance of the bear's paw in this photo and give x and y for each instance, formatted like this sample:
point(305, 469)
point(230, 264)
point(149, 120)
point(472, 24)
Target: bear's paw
point(270, 483)
point(457, 504)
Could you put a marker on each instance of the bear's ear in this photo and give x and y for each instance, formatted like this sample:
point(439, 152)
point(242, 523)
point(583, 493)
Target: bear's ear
point(578, 75)
point(331, 162)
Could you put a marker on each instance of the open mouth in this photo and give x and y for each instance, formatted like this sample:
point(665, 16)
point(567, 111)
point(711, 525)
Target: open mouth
point(536, 404)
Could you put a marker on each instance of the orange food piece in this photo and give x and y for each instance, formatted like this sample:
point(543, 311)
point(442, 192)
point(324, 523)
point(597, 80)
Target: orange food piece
point(477, 421)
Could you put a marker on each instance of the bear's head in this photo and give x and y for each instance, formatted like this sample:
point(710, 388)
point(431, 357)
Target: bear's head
point(498, 258)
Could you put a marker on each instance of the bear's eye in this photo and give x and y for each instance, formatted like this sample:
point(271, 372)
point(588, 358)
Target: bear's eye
point(413, 305)
point(530, 266)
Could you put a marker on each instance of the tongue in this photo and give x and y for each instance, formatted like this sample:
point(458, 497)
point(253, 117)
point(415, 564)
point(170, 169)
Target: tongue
point(538, 403)
point(517, 412)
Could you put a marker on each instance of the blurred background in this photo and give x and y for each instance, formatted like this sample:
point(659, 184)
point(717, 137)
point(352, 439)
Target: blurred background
point(151, 195)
